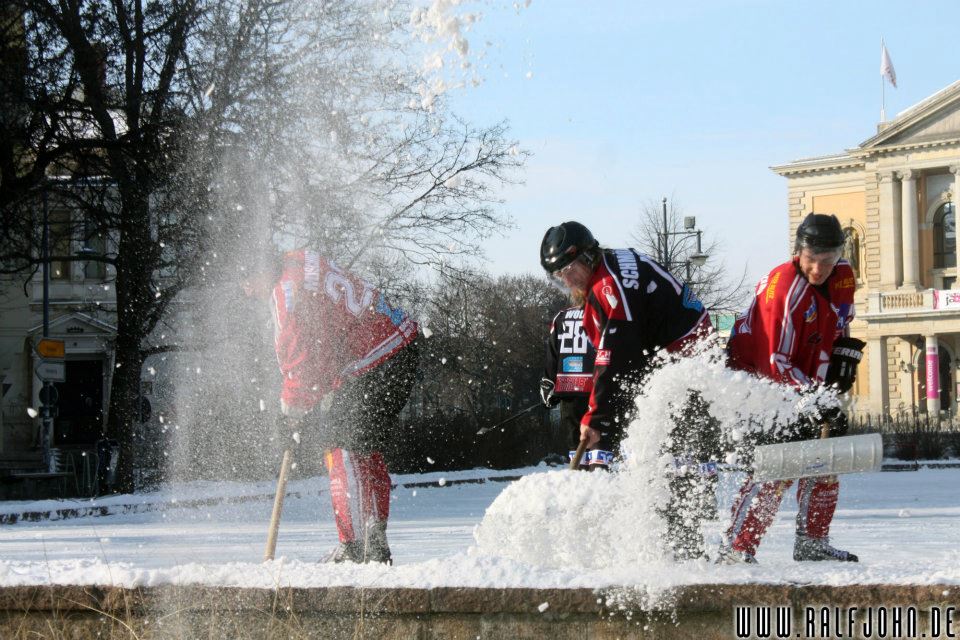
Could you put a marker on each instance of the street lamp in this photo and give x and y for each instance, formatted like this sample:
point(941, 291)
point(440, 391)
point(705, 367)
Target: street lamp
point(48, 393)
point(696, 259)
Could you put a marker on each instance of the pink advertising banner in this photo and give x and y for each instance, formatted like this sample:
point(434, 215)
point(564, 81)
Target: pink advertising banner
point(946, 299)
point(933, 373)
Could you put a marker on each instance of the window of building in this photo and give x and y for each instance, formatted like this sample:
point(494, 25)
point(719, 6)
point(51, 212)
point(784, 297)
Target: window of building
point(60, 235)
point(94, 244)
point(944, 237)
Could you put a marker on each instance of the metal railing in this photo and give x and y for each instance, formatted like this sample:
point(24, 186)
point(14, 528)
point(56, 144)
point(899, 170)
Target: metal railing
point(913, 436)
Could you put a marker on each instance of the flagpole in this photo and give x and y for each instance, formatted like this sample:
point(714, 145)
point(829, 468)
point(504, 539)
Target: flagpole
point(883, 105)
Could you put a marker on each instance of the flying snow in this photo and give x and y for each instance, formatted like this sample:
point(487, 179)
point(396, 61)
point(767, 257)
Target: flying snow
point(565, 519)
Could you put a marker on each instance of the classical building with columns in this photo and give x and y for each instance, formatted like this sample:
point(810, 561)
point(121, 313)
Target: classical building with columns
point(895, 196)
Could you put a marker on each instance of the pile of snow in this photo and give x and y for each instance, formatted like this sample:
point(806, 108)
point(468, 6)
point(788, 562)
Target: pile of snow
point(599, 520)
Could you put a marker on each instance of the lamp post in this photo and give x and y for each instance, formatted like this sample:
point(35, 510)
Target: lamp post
point(695, 260)
point(48, 395)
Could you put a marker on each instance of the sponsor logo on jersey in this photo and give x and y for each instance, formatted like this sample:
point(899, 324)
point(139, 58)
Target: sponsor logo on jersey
point(574, 383)
point(846, 283)
point(843, 315)
point(811, 313)
point(603, 357)
point(287, 287)
point(772, 288)
point(612, 300)
point(573, 364)
point(690, 300)
point(396, 316)
point(629, 274)
point(311, 271)
point(814, 338)
point(762, 285)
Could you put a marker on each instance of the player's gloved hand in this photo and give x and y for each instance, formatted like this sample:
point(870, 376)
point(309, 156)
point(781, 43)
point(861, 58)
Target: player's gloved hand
point(805, 427)
point(591, 435)
point(842, 372)
point(837, 420)
point(546, 393)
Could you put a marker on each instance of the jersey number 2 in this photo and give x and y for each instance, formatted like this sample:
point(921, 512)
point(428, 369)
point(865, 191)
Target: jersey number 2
point(338, 285)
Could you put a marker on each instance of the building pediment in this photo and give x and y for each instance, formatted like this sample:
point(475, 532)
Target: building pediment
point(931, 122)
point(76, 324)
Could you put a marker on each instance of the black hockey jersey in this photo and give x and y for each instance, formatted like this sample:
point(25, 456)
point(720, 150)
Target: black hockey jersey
point(570, 355)
point(634, 307)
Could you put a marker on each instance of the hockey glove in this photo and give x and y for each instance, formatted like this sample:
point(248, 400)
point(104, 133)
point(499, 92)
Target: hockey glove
point(846, 355)
point(837, 420)
point(546, 393)
point(806, 427)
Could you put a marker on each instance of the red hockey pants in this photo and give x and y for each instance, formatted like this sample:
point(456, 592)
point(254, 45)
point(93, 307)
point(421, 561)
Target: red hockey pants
point(359, 489)
point(757, 504)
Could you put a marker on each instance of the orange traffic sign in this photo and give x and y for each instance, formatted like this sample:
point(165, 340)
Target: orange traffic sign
point(51, 349)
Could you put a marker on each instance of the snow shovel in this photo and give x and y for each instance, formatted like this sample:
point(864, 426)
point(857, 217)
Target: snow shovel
point(278, 505)
point(823, 457)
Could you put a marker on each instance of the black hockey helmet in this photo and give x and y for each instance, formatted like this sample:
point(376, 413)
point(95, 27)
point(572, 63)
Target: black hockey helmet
point(820, 232)
point(563, 244)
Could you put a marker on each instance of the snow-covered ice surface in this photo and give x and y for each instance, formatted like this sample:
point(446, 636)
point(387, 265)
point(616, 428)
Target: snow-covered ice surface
point(552, 528)
point(905, 526)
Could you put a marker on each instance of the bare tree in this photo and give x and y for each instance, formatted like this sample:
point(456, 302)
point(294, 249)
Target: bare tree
point(675, 245)
point(187, 131)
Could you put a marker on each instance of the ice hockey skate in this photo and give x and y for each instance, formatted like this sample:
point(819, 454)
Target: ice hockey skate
point(346, 552)
point(377, 549)
point(813, 549)
point(729, 555)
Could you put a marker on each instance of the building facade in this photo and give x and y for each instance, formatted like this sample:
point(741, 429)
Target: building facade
point(895, 195)
point(82, 312)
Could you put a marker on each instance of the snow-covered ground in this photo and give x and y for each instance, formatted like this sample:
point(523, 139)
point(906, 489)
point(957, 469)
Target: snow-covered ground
point(549, 528)
point(905, 527)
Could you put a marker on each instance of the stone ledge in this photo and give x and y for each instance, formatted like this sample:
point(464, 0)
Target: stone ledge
point(706, 598)
point(705, 612)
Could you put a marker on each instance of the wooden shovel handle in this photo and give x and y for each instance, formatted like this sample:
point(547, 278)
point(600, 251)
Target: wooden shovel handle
point(278, 505)
point(575, 462)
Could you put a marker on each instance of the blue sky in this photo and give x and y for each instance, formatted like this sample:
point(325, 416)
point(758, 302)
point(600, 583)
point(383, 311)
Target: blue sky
point(628, 102)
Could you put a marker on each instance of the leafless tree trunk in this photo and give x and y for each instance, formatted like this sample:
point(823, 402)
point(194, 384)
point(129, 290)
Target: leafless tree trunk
point(191, 134)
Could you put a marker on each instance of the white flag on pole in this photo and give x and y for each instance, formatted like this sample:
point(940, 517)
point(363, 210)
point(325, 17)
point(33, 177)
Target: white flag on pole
point(886, 66)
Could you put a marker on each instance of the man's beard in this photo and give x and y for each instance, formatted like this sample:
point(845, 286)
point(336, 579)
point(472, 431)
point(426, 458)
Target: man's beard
point(578, 297)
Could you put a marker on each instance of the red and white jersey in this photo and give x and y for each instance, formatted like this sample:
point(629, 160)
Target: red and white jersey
point(788, 331)
point(330, 325)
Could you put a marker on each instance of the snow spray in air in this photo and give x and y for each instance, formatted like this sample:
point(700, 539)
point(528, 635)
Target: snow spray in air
point(602, 521)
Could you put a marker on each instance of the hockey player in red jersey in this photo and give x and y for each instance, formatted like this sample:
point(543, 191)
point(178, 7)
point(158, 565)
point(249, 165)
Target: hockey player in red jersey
point(348, 361)
point(632, 308)
point(796, 331)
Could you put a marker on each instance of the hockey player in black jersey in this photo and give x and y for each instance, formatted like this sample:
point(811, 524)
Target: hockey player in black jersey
point(568, 380)
point(632, 308)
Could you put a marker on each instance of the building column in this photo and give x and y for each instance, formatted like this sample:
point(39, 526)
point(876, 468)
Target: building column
point(879, 377)
point(955, 170)
point(891, 245)
point(911, 230)
point(933, 375)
